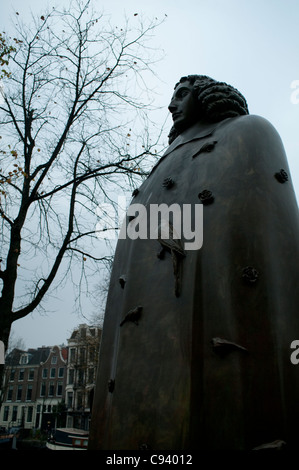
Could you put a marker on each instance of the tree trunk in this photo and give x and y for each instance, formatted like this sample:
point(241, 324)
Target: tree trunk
point(5, 327)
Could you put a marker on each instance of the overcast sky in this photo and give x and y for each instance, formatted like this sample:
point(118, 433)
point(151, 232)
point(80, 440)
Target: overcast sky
point(251, 44)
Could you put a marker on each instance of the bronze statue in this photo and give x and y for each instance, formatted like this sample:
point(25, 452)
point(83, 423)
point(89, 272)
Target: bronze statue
point(196, 343)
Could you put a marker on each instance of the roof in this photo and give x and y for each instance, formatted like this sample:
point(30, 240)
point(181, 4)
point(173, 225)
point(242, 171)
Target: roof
point(35, 356)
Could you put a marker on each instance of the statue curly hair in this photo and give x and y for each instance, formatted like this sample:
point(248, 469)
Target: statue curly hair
point(217, 100)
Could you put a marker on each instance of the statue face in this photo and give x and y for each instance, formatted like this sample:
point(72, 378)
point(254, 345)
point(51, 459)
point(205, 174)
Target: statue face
point(184, 107)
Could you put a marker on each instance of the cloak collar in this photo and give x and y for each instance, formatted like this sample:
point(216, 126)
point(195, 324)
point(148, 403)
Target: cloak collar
point(195, 132)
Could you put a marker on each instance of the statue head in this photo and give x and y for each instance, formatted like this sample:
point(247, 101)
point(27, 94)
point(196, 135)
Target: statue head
point(201, 98)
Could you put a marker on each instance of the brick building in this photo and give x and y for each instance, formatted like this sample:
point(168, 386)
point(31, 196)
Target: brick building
point(52, 386)
point(51, 394)
point(83, 354)
point(34, 386)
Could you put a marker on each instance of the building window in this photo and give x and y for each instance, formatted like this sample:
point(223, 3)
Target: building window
point(71, 376)
point(45, 373)
point(61, 372)
point(54, 360)
point(53, 373)
point(21, 374)
point(82, 357)
point(6, 413)
point(24, 359)
point(43, 389)
point(79, 400)
point(9, 393)
point(12, 375)
point(51, 389)
point(81, 377)
point(72, 355)
point(59, 389)
point(29, 414)
point(92, 354)
point(29, 393)
point(70, 399)
point(19, 393)
point(31, 374)
point(14, 413)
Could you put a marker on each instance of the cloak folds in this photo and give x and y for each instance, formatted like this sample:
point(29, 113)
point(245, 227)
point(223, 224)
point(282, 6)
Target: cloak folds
point(207, 366)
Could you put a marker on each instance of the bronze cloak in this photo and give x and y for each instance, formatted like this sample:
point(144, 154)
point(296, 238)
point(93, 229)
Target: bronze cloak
point(208, 368)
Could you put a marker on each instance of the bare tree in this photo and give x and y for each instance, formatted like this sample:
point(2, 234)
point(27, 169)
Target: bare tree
point(73, 131)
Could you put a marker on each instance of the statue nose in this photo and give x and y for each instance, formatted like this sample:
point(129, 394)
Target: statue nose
point(172, 106)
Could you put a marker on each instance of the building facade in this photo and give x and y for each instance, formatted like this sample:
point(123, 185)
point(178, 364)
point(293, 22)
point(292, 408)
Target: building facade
point(83, 353)
point(50, 409)
point(52, 387)
point(33, 389)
